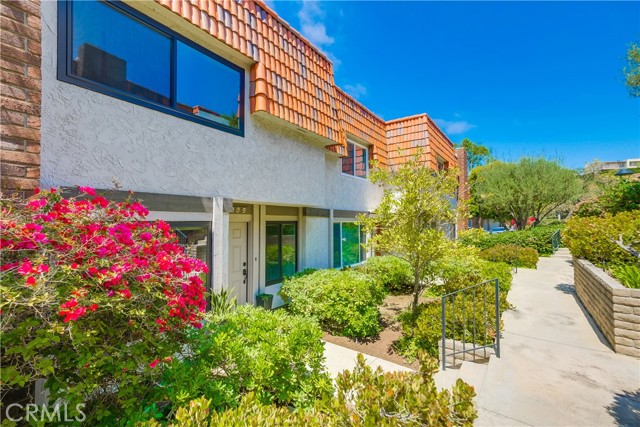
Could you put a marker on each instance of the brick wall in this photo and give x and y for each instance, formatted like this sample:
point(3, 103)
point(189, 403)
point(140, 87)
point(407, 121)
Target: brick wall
point(20, 95)
point(614, 308)
point(463, 190)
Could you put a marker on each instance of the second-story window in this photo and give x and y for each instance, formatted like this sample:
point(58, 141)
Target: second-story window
point(110, 48)
point(356, 162)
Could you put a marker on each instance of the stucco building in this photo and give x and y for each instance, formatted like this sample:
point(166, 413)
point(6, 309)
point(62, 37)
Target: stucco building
point(221, 117)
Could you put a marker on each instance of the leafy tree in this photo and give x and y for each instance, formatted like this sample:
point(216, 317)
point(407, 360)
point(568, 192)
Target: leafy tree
point(476, 154)
point(413, 216)
point(532, 187)
point(632, 70)
point(609, 194)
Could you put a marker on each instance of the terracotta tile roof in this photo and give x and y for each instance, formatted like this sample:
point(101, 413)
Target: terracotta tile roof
point(406, 134)
point(358, 121)
point(293, 80)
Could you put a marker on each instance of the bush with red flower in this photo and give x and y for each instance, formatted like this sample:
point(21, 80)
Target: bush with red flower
point(92, 299)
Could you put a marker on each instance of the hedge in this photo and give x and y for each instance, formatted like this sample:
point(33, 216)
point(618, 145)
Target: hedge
point(538, 238)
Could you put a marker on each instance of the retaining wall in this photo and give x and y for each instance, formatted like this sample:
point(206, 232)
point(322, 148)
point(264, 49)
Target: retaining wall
point(613, 307)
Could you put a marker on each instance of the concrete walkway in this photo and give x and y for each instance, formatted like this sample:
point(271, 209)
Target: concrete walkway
point(340, 358)
point(556, 368)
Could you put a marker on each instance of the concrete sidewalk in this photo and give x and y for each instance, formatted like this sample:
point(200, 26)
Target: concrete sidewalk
point(556, 368)
point(340, 358)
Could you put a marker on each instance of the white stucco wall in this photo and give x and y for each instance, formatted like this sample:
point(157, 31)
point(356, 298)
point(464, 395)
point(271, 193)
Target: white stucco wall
point(93, 139)
point(316, 243)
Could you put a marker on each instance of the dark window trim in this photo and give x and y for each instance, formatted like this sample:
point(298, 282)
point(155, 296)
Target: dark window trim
point(65, 48)
point(209, 284)
point(281, 223)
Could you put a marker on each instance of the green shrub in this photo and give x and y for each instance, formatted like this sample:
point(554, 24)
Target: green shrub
point(628, 275)
point(344, 302)
point(364, 398)
point(393, 273)
point(497, 270)
point(512, 255)
point(538, 238)
point(462, 267)
point(458, 270)
point(272, 354)
point(592, 238)
point(474, 237)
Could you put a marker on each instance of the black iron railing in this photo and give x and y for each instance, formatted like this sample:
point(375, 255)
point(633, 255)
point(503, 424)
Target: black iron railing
point(471, 315)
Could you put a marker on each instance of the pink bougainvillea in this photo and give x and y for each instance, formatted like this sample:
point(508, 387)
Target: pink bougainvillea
point(108, 289)
point(106, 248)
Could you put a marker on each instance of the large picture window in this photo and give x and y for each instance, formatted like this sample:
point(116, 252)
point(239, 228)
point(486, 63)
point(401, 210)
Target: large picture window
point(348, 238)
point(110, 48)
point(357, 161)
point(282, 253)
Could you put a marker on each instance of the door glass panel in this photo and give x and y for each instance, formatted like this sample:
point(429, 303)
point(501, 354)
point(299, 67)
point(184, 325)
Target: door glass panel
point(273, 253)
point(118, 51)
point(288, 250)
point(350, 243)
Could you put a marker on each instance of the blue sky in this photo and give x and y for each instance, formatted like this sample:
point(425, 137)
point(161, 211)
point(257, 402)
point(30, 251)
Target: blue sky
point(523, 78)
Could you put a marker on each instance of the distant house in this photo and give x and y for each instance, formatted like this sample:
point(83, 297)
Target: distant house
point(598, 166)
point(218, 114)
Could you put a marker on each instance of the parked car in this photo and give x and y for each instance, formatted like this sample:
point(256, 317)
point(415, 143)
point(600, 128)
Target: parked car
point(496, 230)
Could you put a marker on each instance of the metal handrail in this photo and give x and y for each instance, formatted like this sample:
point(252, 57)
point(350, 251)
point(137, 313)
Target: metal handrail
point(463, 294)
point(556, 240)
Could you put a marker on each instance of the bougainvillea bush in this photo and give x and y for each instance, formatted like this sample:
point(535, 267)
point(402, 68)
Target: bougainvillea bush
point(93, 299)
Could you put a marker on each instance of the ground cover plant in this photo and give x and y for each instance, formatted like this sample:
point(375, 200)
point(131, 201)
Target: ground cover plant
point(364, 397)
point(93, 299)
point(343, 302)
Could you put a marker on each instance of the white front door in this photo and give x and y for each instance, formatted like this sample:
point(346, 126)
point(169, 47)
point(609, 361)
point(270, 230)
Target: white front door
point(238, 269)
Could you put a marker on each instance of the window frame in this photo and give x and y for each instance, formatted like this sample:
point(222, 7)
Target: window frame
point(360, 242)
point(366, 148)
point(65, 49)
point(280, 224)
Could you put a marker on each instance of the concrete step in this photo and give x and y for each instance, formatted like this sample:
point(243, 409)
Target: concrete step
point(446, 379)
point(473, 374)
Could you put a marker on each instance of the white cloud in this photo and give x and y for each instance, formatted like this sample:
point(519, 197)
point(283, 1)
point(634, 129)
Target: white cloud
point(312, 26)
point(454, 127)
point(357, 90)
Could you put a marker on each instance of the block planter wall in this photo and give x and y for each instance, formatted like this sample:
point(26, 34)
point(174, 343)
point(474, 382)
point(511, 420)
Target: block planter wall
point(613, 307)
